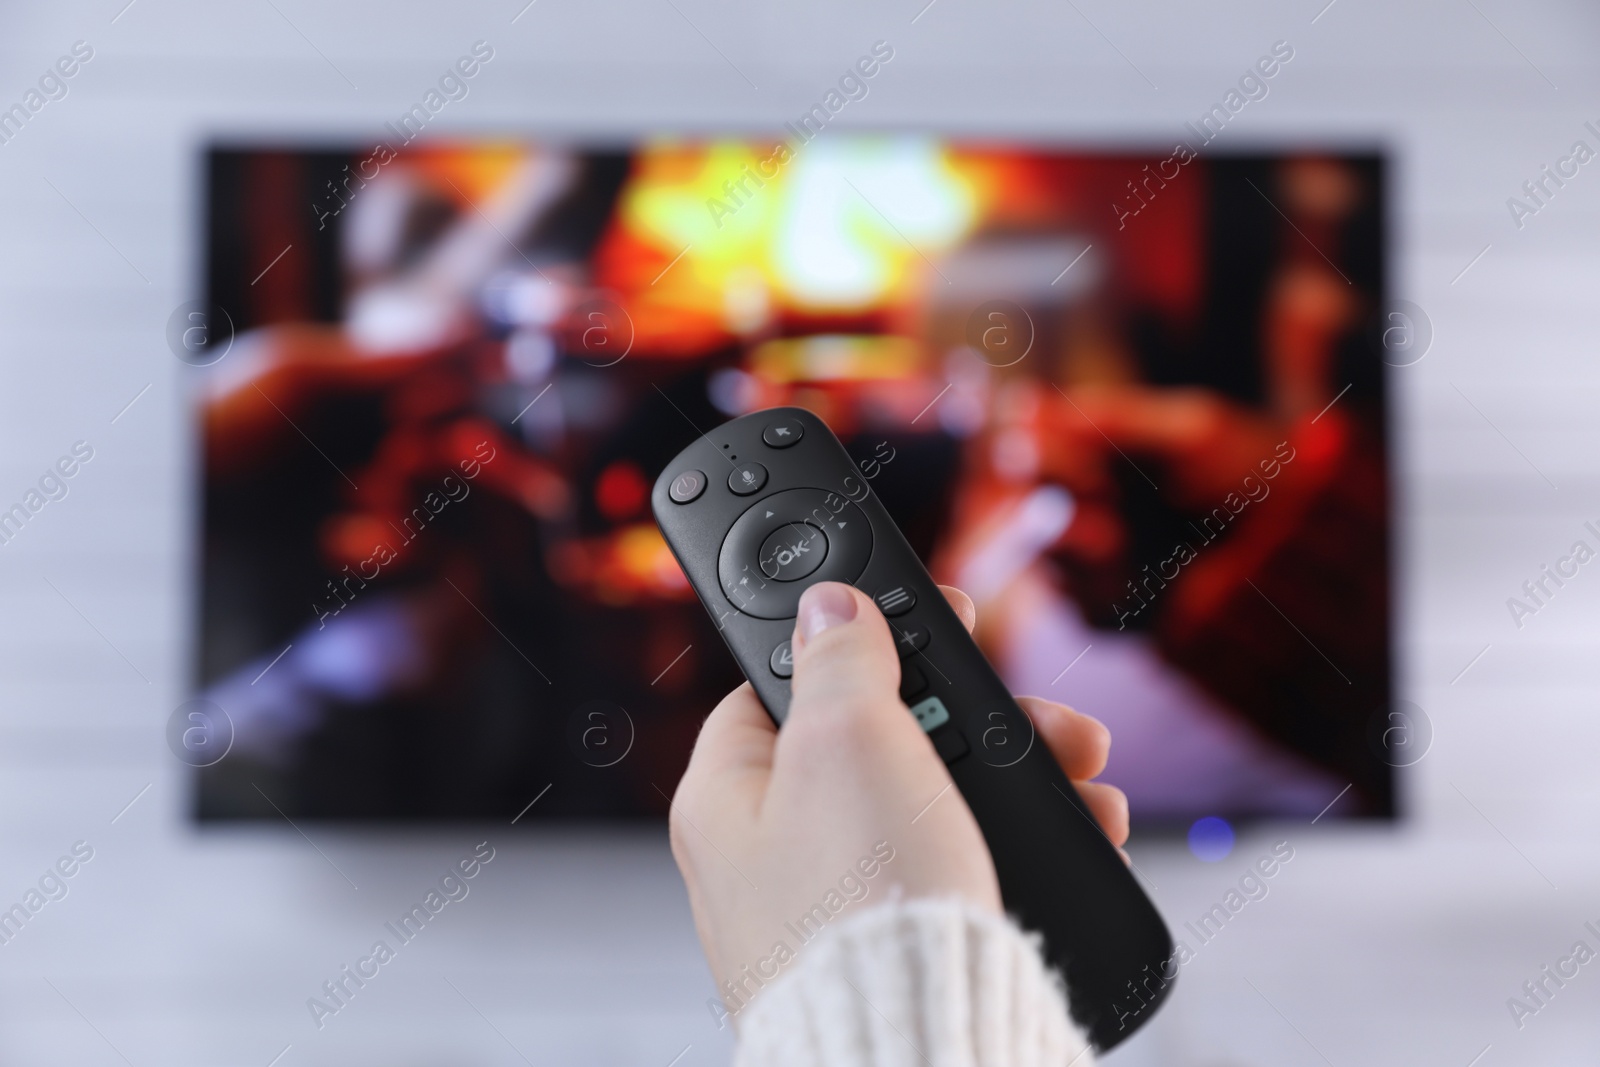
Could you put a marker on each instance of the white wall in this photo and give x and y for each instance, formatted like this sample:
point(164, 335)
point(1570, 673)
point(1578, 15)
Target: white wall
point(1379, 947)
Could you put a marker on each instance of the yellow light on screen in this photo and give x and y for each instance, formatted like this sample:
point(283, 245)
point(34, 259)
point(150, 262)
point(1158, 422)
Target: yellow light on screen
point(644, 557)
point(837, 357)
point(838, 225)
point(859, 216)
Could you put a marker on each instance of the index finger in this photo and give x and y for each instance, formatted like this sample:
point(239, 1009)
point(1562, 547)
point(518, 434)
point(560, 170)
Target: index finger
point(962, 604)
point(733, 755)
point(1079, 742)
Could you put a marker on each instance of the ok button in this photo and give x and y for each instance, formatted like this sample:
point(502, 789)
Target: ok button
point(793, 551)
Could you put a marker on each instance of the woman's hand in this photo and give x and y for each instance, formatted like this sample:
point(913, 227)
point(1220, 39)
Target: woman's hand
point(776, 832)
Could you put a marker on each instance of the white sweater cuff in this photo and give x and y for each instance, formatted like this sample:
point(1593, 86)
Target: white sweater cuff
point(921, 983)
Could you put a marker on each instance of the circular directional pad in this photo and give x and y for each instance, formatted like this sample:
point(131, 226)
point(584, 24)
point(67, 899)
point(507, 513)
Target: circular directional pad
point(785, 542)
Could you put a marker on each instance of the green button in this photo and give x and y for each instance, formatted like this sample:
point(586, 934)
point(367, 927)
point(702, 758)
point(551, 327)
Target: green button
point(931, 714)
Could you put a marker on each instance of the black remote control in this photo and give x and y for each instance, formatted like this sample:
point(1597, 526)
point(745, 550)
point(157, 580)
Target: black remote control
point(769, 503)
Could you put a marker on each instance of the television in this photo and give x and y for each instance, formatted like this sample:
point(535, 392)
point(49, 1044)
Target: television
point(1131, 402)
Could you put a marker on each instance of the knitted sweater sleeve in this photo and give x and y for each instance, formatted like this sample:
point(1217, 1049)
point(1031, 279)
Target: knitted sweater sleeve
point(921, 983)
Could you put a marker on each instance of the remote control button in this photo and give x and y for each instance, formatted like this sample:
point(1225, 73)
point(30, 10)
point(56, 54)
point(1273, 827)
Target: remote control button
point(931, 714)
point(909, 641)
point(793, 552)
point(747, 478)
point(782, 661)
point(686, 486)
point(896, 601)
point(912, 681)
point(757, 592)
point(783, 433)
point(950, 744)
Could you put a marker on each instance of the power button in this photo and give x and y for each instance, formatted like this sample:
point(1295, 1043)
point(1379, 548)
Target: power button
point(686, 486)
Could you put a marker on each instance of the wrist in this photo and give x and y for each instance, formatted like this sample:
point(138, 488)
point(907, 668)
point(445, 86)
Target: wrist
point(944, 979)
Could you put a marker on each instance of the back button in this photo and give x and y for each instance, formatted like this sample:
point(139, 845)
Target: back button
point(783, 433)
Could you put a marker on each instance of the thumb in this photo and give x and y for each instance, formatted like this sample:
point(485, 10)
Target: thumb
point(845, 660)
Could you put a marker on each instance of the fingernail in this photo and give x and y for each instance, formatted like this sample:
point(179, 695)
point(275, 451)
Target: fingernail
point(824, 605)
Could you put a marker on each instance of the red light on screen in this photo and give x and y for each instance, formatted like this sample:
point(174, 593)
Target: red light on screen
point(621, 491)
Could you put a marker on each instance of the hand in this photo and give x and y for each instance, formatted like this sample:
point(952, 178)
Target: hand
point(777, 831)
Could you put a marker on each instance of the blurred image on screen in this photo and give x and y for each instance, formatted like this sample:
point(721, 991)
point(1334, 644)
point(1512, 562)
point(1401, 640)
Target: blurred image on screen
point(1131, 406)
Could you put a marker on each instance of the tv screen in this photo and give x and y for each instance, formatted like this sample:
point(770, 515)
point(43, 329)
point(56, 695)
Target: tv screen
point(1131, 403)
